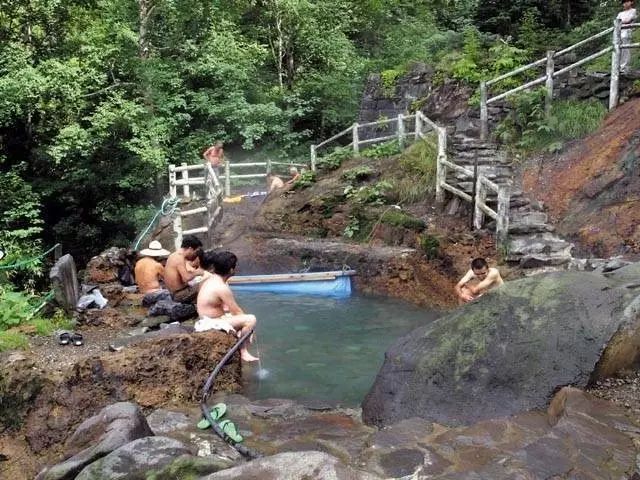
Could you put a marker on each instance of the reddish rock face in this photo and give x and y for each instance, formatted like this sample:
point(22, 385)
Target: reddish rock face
point(591, 191)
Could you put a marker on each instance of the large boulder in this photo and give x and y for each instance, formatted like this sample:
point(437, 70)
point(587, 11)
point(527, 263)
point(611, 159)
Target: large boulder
point(115, 426)
point(308, 465)
point(134, 460)
point(511, 350)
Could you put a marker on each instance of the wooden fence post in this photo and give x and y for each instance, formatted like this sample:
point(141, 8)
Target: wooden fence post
point(441, 169)
point(615, 65)
point(484, 112)
point(177, 228)
point(502, 222)
point(549, 83)
point(172, 181)
point(401, 132)
point(313, 158)
point(418, 129)
point(356, 139)
point(481, 195)
point(185, 177)
point(227, 179)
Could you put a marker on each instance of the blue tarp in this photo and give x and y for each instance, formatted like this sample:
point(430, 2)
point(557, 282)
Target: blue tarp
point(338, 287)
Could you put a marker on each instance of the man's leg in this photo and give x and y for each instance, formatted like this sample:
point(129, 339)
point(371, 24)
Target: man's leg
point(243, 324)
point(625, 57)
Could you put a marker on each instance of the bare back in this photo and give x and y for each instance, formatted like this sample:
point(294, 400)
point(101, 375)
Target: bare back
point(172, 276)
point(213, 295)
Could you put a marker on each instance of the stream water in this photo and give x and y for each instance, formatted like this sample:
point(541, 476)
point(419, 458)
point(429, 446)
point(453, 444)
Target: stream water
point(323, 348)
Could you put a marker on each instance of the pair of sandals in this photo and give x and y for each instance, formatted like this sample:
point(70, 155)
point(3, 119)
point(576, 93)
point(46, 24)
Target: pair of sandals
point(70, 338)
point(227, 426)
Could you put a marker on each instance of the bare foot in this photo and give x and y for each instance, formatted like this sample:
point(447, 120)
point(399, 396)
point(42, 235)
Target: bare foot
point(247, 357)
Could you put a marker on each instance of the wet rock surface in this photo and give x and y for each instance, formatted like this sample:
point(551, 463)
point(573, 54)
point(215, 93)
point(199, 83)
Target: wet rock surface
point(135, 460)
point(300, 465)
point(115, 426)
point(510, 350)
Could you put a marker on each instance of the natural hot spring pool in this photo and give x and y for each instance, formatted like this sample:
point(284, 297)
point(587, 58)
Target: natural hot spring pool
point(324, 348)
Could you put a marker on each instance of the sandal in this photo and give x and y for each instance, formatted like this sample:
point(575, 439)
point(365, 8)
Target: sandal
point(216, 412)
point(64, 338)
point(77, 339)
point(230, 430)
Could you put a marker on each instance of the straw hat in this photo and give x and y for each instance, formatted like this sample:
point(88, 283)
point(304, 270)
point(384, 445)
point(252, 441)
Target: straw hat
point(155, 250)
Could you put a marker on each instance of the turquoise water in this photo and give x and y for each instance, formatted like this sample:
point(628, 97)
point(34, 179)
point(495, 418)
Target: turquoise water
point(322, 348)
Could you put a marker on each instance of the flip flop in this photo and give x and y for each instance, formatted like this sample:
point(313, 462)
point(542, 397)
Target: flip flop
point(77, 339)
point(217, 412)
point(230, 430)
point(64, 338)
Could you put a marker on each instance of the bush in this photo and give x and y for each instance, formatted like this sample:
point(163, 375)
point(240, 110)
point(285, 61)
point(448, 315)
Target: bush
point(375, 194)
point(401, 219)
point(305, 180)
point(415, 176)
point(430, 246)
point(13, 341)
point(333, 160)
point(382, 150)
point(527, 128)
point(15, 308)
point(358, 174)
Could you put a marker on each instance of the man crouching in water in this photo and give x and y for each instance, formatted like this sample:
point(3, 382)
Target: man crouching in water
point(215, 294)
point(478, 280)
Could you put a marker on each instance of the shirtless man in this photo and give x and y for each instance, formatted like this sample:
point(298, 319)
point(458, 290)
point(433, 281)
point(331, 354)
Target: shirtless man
point(626, 16)
point(214, 155)
point(215, 295)
point(477, 281)
point(295, 175)
point(274, 182)
point(149, 270)
point(176, 274)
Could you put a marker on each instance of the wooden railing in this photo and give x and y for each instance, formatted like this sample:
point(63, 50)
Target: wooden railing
point(406, 126)
point(551, 73)
point(212, 211)
point(482, 188)
point(179, 175)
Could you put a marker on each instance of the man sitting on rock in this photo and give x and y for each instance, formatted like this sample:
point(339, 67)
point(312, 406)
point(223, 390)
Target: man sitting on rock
point(215, 295)
point(176, 274)
point(274, 182)
point(149, 270)
point(478, 280)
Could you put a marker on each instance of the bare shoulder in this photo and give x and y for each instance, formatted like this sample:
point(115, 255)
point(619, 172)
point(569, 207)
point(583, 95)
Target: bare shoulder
point(494, 274)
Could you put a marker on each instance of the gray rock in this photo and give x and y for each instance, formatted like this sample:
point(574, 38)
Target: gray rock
point(510, 350)
point(64, 280)
point(164, 421)
point(134, 460)
point(188, 467)
point(308, 465)
point(115, 426)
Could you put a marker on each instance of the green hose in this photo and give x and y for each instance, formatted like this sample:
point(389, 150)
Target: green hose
point(168, 207)
point(15, 266)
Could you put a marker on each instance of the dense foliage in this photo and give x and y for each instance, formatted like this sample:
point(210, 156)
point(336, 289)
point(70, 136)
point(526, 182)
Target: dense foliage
point(98, 96)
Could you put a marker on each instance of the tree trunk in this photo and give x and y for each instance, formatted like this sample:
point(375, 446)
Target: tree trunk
point(145, 9)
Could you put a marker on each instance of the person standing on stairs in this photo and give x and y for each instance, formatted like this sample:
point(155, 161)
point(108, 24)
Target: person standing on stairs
point(626, 16)
point(477, 281)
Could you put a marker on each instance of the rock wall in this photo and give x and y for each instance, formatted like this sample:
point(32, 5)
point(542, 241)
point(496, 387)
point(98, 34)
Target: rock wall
point(447, 103)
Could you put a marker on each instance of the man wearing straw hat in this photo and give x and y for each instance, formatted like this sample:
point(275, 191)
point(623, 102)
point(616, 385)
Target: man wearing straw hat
point(626, 16)
point(149, 269)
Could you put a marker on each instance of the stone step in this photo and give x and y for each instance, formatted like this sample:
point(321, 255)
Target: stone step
point(539, 244)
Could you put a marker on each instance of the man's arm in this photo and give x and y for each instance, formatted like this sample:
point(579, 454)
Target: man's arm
point(185, 275)
point(226, 295)
point(207, 152)
point(463, 281)
point(486, 284)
